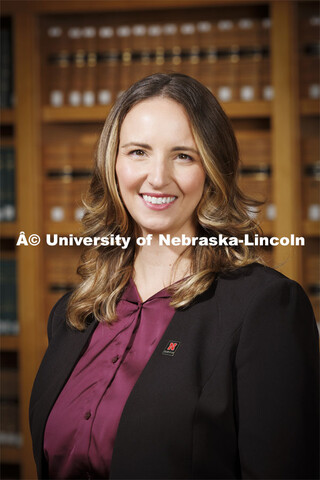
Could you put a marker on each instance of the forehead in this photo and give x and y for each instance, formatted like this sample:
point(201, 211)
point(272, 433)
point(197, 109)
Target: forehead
point(157, 115)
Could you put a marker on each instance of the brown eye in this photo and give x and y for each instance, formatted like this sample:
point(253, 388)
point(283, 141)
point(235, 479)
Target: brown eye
point(184, 156)
point(139, 153)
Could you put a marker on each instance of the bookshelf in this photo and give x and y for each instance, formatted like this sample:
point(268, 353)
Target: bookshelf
point(9, 324)
point(309, 127)
point(46, 136)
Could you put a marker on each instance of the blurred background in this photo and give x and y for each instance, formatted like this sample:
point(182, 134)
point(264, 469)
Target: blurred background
point(63, 63)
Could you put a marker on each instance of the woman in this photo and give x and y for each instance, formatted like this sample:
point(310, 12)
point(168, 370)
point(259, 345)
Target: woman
point(172, 361)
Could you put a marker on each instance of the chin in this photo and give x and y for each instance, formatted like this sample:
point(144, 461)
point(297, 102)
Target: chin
point(156, 229)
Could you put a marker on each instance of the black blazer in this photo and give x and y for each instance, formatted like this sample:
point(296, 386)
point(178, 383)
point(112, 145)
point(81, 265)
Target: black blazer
point(238, 399)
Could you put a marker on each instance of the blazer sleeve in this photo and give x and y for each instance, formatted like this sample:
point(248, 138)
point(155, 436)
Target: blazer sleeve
point(277, 385)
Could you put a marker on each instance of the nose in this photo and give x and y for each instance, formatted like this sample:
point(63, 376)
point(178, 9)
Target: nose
point(159, 173)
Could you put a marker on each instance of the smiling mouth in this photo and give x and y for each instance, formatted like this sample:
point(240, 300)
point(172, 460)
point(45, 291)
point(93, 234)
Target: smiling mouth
point(158, 200)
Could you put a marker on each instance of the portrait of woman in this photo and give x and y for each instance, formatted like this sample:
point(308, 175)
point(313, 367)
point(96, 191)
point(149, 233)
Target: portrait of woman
point(169, 360)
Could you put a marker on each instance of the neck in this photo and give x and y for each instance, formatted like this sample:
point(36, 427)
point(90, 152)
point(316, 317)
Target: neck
point(155, 268)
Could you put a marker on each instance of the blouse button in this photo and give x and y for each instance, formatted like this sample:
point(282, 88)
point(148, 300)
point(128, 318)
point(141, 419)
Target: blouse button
point(115, 359)
point(87, 415)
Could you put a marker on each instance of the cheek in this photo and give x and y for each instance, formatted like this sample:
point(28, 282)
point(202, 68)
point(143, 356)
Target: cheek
point(126, 176)
point(194, 183)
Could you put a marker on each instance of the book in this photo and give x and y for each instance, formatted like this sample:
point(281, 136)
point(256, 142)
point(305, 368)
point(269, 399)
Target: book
point(6, 64)
point(8, 290)
point(7, 184)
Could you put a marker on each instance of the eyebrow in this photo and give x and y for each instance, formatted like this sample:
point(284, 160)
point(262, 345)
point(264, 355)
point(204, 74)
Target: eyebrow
point(148, 147)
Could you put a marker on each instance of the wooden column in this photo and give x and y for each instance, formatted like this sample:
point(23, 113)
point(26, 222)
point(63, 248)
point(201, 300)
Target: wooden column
point(29, 217)
point(285, 134)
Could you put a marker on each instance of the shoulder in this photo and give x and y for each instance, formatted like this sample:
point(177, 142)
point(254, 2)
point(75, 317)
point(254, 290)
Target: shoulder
point(254, 280)
point(256, 292)
point(254, 274)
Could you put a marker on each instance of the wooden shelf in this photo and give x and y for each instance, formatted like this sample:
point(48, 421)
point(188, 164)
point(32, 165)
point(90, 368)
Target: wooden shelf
point(311, 229)
point(7, 116)
point(258, 109)
point(8, 229)
point(75, 114)
point(99, 113)
point(9, 343)
point(309, 107)
point(10, 454)
point(69, 6)
point(63, 228)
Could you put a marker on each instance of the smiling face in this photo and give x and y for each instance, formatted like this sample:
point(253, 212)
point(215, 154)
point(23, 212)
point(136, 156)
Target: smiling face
point(159, 170)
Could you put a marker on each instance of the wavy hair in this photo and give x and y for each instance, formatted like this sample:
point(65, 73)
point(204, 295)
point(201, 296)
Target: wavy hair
point(223, 209)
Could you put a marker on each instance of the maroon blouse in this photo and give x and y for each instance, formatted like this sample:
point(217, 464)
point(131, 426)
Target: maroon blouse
point(82, 426)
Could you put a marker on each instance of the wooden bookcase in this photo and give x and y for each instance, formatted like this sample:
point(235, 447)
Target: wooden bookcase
point(286, 119)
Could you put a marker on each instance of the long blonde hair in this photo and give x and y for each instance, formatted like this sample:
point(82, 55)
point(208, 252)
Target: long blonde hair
point(223, 209)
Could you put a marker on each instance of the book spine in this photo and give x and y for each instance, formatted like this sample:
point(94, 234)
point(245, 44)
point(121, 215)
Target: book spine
point(6, 83)
point(8, 312)
point(90, 69)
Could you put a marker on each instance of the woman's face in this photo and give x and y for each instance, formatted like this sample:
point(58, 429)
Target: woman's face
point(159, 170)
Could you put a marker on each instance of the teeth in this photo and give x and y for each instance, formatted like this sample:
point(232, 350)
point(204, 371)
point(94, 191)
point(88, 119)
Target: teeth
point(158, 200)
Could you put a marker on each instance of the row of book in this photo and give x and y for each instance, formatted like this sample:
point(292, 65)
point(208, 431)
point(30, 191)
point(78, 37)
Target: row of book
point(310, 149)
point(309, 23)
point(311, 193)
point(309, 68)
point(100, 80)
point(6, 70)
point(100, 36)
point(309, 49)
point(8, 293)
point(7, 184)
point(62, 200)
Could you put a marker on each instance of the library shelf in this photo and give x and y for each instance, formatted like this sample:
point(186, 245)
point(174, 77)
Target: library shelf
point(10, 454)
point(63, 228)
point(67, 114)
point(83, 6)
point(8, 229)
point(256, 109)
point(7, 116)
point(309, 107)
point(311, 229)
point(9, 343)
